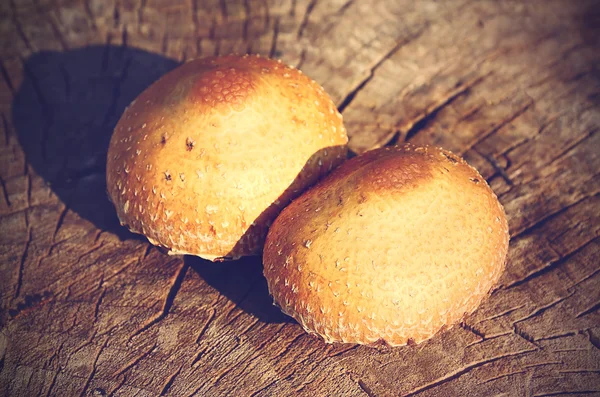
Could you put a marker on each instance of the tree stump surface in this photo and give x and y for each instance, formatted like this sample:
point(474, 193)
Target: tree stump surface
point(88, 309)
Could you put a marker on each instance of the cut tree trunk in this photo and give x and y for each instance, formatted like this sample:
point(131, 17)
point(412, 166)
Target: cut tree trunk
point(90, 309)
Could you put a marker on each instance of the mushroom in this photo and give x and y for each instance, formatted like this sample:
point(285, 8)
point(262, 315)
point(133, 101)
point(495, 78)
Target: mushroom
point(392, 247)
point(205, 158)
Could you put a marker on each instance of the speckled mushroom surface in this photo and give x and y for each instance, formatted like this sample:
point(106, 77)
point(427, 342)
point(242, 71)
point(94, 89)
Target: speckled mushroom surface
point(392, 247)
point(205, 158)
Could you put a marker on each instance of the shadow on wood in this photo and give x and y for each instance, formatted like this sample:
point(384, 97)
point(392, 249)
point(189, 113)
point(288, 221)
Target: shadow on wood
point(65, 112)
point(243, 283)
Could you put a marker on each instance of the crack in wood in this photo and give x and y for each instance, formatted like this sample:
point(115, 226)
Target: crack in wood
point(134, 361)
point(121, 269)
point(542, 309)
point(235, 308)
point(589, 310)
point(551, 65)
point(3, 347)
point(502, 376)
point(67, 289)
point(524, 335)
point(90, 14)
point(593, 339)
point(212, 347)
point(305, 18)
point(496, 128)
point(194, 392)
point(147, 252)
point(98, 303)
point(557, 336)
point(196, 359)
point(176, 282)
point(54, 27)
point(116, 15)
point(499, 169)
point(223, 8)
point(247, 328)
point(501, 314)
point(5, 191)
point(580, 371)
point(169, 381)
point(340, 12)
point(429, 115)
point(86, 343)
point(9, 84)
point(340, 352)
point(365, 388)
point(564, 393)
point(549, 216)
point(473, 330)
point(7, 134)
point(124, 37)
point(59, 222)
point(302, 59)
point(19, 27)
point(246, 24)
point(292, 11)
point(28, 191)
point(574, 349)
point(552, 120)
point(547, 267)
point(205, 325)
point(165, 43)
point(260, 391)
point(52, 383)
point(248, 362)
point(222, 374)
point(490, 337)
point(94, 368)
point(399, 44)
point(140, 13)
point(273, 50)
point(543, 364)
point(571, 147)
point(283, 352)
point(21, 268)
point(463, 370)
point(315, 366)
point(292, 371)
point(113, 391)
point(55, 355)
point(218, 377)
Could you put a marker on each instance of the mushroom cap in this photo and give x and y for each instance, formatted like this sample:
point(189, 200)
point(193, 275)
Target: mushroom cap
point(395, 245)
point(206, 157)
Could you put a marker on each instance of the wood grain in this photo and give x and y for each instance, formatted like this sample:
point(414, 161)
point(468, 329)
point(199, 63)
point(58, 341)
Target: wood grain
point(89, 309)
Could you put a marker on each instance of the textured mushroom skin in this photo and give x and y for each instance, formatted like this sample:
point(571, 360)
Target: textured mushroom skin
point(392, 247)
point(204, 159)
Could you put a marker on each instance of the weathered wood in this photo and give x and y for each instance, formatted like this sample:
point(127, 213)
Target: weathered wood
point(90, 309)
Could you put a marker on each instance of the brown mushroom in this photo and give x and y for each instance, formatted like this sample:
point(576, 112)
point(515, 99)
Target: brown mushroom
point(205, 158)
point(392, 247)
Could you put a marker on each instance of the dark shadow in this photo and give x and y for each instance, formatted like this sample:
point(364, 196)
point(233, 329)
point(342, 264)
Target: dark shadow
point(589, 28)
point(65, 112)
point(589, 23)
point(296, 188)
point(242, 282)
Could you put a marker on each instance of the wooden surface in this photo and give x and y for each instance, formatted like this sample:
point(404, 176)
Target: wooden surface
point(89, 309)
